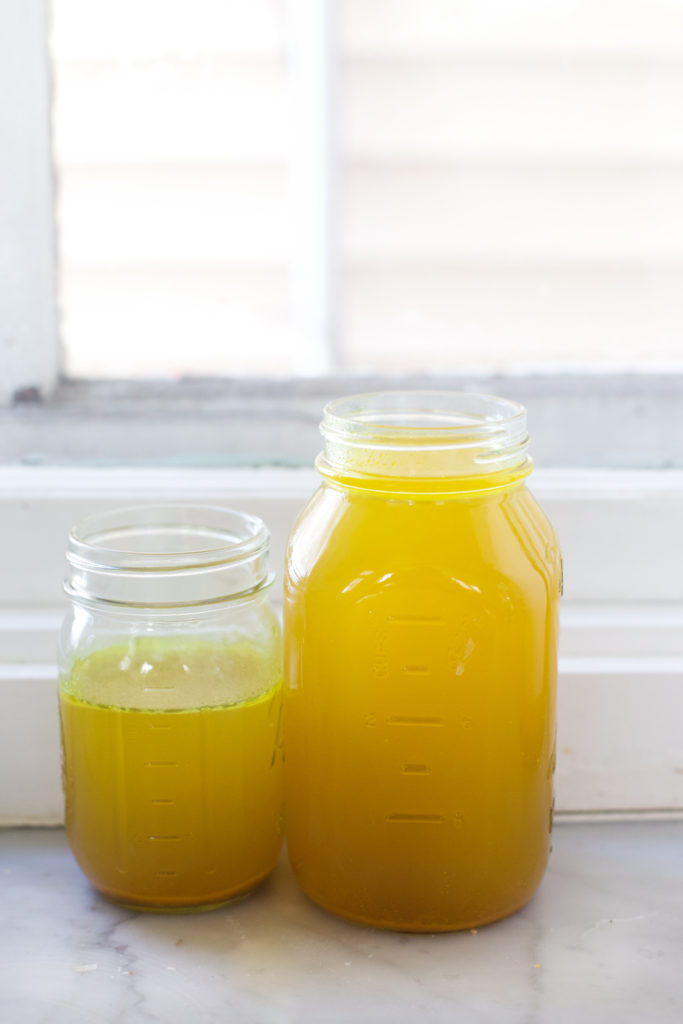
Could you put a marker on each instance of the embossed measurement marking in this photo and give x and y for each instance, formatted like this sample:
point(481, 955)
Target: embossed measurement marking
point(408, 619)
point(422, 819)
point(162, 764)
point(415, 769)
point(164, 839)
point(414, 720)
point(164, 802)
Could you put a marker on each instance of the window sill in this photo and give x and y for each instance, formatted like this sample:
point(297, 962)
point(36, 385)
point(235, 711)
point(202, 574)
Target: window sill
point(621, 420)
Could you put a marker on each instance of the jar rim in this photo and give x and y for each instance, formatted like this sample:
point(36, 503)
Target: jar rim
point(188, 537)
point(430, 420)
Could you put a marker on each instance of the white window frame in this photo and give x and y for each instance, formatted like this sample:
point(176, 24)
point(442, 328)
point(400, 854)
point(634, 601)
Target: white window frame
point(29, 344)
point(621, 673)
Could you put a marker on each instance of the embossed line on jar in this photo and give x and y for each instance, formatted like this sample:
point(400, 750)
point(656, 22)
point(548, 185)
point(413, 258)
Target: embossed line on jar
point(416, 819)
point(428, 720)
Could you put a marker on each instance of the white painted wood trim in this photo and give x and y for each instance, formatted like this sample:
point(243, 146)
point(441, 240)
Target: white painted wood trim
point(621, 668)
point(29, 351)
point(61, 482)
point(619, 529)
point(313, 162)
point(620, 747)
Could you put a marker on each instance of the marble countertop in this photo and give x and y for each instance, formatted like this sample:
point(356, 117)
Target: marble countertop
point(601, 942)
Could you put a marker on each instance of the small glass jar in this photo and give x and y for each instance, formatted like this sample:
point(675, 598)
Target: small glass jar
point(421, 606)
point(170, 706)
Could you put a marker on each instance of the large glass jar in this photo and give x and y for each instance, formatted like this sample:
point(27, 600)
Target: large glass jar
point(170, 703)
point(421, 602)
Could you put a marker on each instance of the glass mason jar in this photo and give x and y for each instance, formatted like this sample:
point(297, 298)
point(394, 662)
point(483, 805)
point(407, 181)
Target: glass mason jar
point(170, 705)
point(421, 608)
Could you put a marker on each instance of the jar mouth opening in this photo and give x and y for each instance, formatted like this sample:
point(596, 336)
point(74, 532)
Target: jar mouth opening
point(166, 538)
point(429, 420)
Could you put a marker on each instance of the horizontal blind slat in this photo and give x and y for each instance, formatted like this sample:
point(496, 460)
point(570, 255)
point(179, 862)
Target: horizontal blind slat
point(172, 113)
point(207, 319)
point(174, 214)
point(406, 212)
point(198, 340)
point(449, 109)
point(526, 27)
point(149, 29)
point(491, 314)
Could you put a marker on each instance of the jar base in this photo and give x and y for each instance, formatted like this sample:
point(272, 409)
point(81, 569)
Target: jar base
point(418, 927)
point(148, 907)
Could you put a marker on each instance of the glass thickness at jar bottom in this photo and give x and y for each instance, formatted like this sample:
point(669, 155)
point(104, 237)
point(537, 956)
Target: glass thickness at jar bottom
point(172, 809)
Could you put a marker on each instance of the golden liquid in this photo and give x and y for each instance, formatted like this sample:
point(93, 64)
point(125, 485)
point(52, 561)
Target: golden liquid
point(170, 807)
point(420, 660)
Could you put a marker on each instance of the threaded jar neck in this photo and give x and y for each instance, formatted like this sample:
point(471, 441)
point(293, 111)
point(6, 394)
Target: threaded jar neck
point(424, 440)
point(167, 556)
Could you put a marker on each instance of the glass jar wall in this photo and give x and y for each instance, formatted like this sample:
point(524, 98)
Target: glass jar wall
point(170, 702)
point(421, 599)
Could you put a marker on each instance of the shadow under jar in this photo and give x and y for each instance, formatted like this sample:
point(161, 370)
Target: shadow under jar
point(421, 600)
point(170, 704)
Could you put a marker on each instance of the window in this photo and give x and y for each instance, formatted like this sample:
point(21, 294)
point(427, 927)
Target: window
point(274, 189)
point(171, 145)
point(287, 199)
